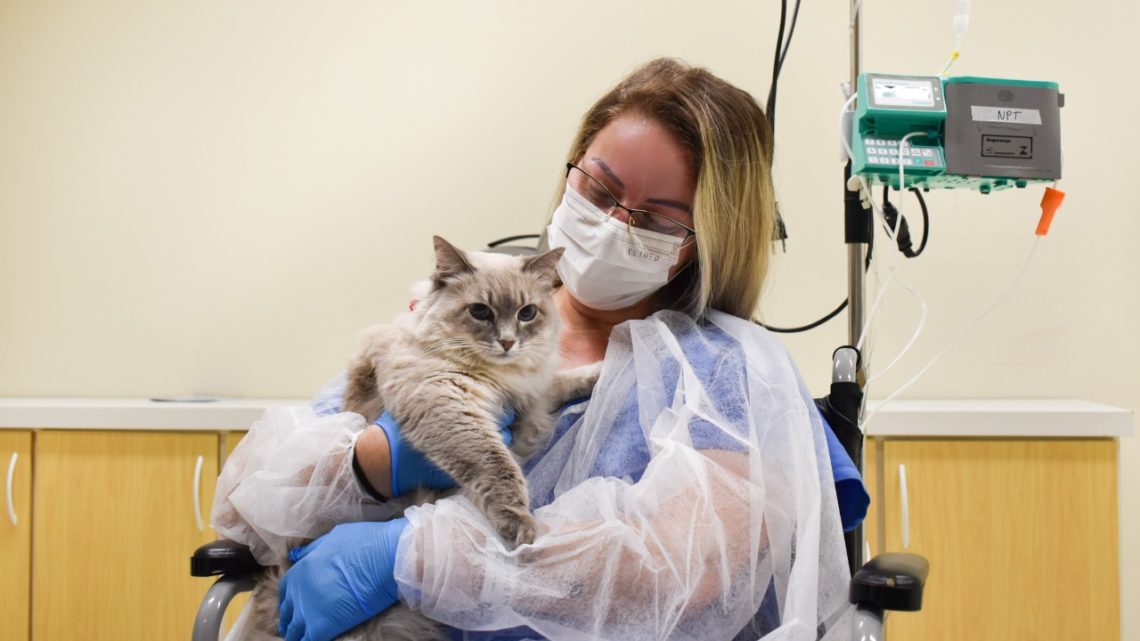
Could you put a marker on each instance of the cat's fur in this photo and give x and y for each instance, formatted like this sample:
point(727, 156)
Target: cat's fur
point(446, 376)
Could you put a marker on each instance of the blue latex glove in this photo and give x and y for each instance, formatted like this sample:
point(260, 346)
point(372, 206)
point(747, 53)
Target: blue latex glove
point(339, 581)
point(411, 469)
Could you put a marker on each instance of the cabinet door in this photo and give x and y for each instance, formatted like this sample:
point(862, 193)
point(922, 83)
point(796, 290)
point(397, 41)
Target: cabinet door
point(1021, 538)
point(230, 441)
point(15, 533)
point(115, 524)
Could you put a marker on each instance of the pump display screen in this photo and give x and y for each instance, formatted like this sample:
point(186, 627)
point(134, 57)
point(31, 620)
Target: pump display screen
point(902, 92)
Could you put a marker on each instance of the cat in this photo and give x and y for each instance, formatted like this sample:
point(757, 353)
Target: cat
point(484, 338)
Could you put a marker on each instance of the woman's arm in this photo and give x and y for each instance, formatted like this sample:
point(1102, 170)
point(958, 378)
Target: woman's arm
point(297, 473)
point(373, 460)
point(687, 552)
point(290, 479)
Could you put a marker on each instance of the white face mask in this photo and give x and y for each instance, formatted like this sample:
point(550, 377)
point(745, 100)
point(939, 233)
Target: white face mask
point(607, 264)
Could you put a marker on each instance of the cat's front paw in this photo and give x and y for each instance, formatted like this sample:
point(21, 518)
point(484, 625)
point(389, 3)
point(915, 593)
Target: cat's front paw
point(592, 371)
point(577, 383)
point(516, 528)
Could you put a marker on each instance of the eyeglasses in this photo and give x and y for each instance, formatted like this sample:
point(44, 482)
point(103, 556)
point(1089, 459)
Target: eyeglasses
point(601, 197)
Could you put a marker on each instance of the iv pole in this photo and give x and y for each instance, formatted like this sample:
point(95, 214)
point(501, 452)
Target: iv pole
point(855, 238)
point(858, 235)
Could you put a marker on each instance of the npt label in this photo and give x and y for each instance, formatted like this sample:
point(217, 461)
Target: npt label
point(1012, 115)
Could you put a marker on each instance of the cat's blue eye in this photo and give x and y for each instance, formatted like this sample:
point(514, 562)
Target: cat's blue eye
point(479, 311)
point(528, 313)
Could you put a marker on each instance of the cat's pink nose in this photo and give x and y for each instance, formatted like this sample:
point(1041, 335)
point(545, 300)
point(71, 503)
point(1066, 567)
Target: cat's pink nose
point(506, 345)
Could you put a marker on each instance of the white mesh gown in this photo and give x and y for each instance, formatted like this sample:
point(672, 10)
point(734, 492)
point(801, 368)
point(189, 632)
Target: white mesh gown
point(690, 497)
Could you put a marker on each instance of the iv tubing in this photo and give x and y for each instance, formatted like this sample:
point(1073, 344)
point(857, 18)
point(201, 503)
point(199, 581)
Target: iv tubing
point(893, 231)
point(913, 337)
point(953, 341)
point(961, 24)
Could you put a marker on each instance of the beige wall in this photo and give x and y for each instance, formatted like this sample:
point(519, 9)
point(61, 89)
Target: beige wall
point(216, 196)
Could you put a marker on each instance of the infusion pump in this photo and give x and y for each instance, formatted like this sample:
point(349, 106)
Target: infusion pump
point(961, 132)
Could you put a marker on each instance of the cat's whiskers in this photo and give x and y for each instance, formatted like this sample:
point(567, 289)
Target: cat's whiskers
point(447, 350)
point(457, 349)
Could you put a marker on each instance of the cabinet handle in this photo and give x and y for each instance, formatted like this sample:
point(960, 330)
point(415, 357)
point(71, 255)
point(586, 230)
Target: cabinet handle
point(11, 475)
point(905, 507)
point(197, 494)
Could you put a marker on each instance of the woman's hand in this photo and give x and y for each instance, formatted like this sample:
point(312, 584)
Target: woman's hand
point(339, 581)
point(393, 467)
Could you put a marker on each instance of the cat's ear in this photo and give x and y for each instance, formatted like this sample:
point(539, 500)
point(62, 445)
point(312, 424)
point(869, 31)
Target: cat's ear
point(449, 261)
point(545, 265)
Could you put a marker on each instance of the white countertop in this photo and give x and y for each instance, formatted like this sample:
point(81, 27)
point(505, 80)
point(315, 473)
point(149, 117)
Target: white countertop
point(916, 418)
point(134, 413)
point(1043, 418)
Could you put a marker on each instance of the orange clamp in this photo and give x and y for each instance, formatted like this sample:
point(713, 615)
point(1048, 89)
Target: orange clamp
point(1050, 203)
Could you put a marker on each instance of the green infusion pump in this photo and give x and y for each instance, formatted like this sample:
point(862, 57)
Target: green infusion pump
point(974, 133)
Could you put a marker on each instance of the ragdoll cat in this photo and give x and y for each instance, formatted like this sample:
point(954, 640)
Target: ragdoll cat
point(483, 339)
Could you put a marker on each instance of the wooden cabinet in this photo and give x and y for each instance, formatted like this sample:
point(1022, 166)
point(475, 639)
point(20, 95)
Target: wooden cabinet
point(116, 517)
point(230, 441)
point(15, 537)
point(1021, 536)
point(1020, 530)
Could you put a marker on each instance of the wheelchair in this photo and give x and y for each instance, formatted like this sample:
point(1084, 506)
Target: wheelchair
point(888, 582)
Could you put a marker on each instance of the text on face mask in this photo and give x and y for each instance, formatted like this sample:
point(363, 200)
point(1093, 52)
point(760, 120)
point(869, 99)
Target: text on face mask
point(641, 253)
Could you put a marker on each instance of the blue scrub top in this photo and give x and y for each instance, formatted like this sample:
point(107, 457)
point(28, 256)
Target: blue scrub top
point(849, 489)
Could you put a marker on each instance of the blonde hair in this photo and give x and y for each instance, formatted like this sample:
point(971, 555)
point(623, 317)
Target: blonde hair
point(728, 142)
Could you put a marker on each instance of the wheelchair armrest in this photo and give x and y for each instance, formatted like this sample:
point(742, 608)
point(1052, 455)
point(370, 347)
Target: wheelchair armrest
point(891, 582)
point(223, 557)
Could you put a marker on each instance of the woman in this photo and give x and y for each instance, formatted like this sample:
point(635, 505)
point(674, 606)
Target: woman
point(691, 495)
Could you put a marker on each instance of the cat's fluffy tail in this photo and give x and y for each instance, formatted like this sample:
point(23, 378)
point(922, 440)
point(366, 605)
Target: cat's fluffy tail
point(258, 622)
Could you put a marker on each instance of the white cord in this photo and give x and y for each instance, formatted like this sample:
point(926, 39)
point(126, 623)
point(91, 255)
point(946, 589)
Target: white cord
point(875, 308)
point(892, 233)
point(903, 155)
point(913, 337)
point(843, 137)
point(844, 133)
point(953, 341)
